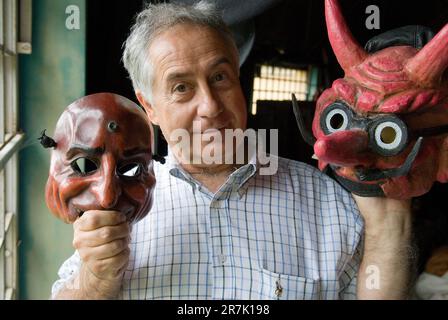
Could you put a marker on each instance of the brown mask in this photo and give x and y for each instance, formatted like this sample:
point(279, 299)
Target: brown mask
point(102, 159)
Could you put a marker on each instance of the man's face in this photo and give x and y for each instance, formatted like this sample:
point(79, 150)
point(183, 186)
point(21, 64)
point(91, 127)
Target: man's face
point(102, 160)
point(195, 81)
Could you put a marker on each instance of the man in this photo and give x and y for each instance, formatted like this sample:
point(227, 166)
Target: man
point(224, 230)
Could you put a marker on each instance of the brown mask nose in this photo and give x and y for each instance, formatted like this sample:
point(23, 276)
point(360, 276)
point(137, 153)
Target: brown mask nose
point(108, 190)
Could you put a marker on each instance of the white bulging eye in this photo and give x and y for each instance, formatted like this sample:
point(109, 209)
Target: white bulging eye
point(388, 135)
point(130, 170)
point(336, 120)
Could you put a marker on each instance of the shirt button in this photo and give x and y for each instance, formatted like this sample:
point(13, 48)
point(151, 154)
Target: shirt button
point(216, 204)
point(222, 258)
point(279, 289)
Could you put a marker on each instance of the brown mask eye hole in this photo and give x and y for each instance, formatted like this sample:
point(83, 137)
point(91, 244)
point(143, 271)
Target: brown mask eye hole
point(84, 166)
point(130, 170)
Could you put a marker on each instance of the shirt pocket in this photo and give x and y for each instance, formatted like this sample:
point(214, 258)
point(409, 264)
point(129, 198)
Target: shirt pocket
point(278, 286)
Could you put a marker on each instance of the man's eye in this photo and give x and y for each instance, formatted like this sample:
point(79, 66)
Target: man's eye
point(130, 170)
point(180, 88)
point(84, 166)
point(218, 77)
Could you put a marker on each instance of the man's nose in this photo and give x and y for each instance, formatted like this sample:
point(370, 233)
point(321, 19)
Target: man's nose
point(209, 105)
point(108, 190)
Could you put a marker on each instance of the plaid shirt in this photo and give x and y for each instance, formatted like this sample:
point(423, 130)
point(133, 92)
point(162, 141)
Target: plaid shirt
point(292, 235)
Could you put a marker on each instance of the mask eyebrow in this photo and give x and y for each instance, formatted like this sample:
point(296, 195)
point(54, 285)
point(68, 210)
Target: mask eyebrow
point(91, 152)
point(135, 151)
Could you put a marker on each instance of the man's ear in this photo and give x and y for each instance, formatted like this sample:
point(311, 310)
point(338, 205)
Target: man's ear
point(148, 108)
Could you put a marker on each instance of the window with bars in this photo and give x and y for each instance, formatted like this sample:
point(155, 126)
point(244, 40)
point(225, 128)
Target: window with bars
point(277, 83)
point(10, 140)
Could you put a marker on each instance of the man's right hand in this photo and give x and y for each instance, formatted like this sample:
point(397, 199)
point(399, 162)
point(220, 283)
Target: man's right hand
point(102, 240)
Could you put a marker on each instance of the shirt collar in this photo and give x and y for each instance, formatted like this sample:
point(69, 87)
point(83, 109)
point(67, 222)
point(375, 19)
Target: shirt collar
point(237, 180)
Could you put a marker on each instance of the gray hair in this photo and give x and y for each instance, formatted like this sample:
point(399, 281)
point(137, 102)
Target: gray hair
point(151, 22)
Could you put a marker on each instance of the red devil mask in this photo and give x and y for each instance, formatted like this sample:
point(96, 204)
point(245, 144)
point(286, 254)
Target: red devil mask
point(381, 130)
point(101, 159)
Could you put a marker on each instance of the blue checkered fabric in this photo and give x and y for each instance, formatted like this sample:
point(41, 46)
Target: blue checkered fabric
point(295, 234)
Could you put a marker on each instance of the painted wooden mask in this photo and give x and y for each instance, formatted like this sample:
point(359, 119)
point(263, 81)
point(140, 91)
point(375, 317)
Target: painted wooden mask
point(382, 129)
point(102, 159)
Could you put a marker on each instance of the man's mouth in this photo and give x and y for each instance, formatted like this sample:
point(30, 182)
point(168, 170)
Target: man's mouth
point(214, 129)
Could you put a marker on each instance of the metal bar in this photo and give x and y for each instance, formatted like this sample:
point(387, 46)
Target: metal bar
point(3, 99)
point(9, 294)
point(11, 254)
point(2, 272)
point(11, 224)
point(10, 148)
point(10, 15)
point(25, 20)
point(24, 43)
point(8, 219)
point(2, 18)
point(8, 52)
point(10, 109)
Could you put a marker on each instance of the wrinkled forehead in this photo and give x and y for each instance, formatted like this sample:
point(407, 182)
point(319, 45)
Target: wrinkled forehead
point(102, 122)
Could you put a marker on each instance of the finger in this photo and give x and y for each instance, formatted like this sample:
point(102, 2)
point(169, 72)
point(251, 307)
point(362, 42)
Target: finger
point(112, 266)
point(94, 219)
point(100, 236)
point(104, 251)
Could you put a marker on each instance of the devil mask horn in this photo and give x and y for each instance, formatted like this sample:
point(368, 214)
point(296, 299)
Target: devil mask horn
point(347, 50)
point(429, 64)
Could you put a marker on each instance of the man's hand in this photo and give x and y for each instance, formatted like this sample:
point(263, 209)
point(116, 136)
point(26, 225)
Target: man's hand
point(380, 213)
point(102, 240)
point(387, 248)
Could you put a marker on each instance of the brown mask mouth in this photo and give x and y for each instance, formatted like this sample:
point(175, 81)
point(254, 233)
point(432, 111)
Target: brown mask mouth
point(80, 212)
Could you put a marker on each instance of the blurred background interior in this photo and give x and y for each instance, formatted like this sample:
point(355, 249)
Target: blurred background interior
point(44, 66)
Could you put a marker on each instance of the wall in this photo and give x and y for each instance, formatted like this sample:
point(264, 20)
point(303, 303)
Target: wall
point(50, 78)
